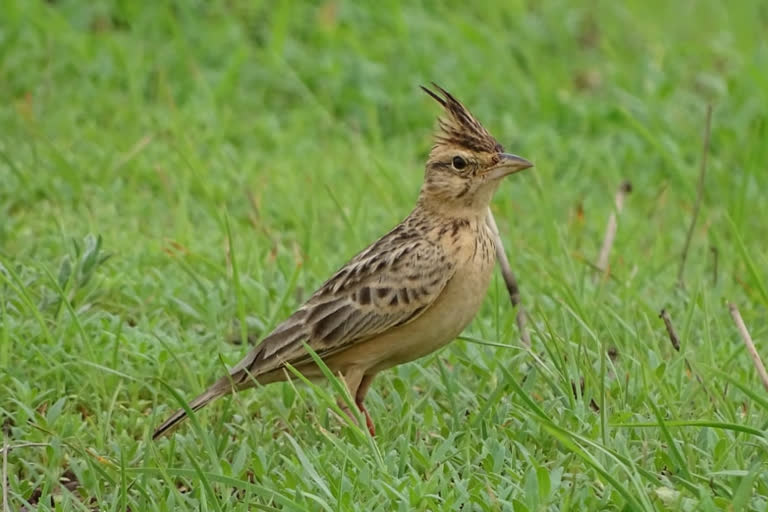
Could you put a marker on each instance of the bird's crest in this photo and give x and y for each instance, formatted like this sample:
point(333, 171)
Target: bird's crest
point(459, 126)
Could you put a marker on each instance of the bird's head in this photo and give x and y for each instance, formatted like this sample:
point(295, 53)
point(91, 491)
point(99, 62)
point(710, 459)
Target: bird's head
point(466, 163)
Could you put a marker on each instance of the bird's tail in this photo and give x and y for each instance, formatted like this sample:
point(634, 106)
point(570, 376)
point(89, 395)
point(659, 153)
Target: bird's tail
point(219, 388)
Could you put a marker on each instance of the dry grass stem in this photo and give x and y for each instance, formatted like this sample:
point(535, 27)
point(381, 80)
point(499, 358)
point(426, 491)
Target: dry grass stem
point(699, 194)
point(4, 475)
point(510, 280)
point(749, 343)
point(670, 329)
point(675, 340)
point(613, 224)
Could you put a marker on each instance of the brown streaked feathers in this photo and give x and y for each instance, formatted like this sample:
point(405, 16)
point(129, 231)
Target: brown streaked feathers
point(361, 300)
point(460, 127)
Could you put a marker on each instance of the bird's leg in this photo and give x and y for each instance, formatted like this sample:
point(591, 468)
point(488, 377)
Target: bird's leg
point(362, 390)
point(352, 380)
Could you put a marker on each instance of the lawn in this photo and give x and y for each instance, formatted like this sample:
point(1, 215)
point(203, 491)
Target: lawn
point(175, 176)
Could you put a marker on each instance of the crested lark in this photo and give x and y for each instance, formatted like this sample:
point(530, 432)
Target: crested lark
point(411, 292)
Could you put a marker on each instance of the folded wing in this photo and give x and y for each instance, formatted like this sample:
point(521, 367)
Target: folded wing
point(388, 285)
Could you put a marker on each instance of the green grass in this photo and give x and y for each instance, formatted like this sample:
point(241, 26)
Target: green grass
point(171, 168)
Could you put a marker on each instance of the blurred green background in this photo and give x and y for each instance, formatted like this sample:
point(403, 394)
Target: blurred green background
point(134, 136)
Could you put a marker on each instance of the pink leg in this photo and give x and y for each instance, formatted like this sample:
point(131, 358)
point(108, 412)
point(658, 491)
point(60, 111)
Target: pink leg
point(359, 397)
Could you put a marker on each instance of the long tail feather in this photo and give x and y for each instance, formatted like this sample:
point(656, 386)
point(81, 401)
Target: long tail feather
point(219, 388)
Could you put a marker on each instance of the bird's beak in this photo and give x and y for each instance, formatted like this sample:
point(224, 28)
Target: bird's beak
point(509, 164)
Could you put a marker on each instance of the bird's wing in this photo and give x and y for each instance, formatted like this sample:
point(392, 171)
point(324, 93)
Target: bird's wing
point(387, 285)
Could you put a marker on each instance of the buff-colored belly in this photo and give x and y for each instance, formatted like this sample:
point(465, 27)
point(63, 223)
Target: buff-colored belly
point(439, 325)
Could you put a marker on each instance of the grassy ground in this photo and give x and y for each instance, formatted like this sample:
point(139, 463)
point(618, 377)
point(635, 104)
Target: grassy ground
point(133, 137)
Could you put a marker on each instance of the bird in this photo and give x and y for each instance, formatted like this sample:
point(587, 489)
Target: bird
point(406, 295)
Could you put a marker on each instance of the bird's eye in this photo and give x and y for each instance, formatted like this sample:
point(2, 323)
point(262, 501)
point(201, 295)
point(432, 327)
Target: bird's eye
point(459, 163)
